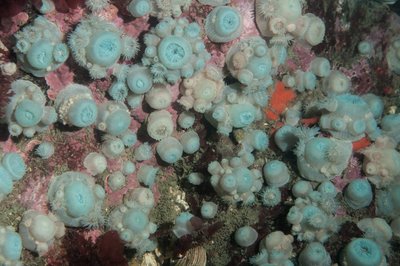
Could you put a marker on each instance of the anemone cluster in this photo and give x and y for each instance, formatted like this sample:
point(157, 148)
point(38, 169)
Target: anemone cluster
point(158, 8)
point(174, 49)
point(27, 113)
point(132, 222)
point(39, 47)
point(97, 45)
point(193, 129)
point(76, 199)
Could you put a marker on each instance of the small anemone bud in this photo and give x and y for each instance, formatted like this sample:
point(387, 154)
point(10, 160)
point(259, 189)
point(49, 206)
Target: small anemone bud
point(14, 129)
point(315, 33)
point(289, 81)
point(139, 8)
point(49, 116)
point(358, 194)
point(336, 83)
point(245, 76)
point(118, 91)
point(190, 141)
point(95, 163)
point(301, 189)
point(129, 138)
point(258, 140)
point(143, 152)
point(160, 124)
point(147, 174)
point(169, 149)
point(209, 209)
point(139, 80)
point(228, 183)
point(327, 188)
point(245, 236)
point(134, 100)
point(158, 98)
point(239, 60)
point(321, 66)
point(270, 196)
point(45, 150)
point(195, 178)
point(116, 181)
point(114, 117)
point(276, 173)
point(128, 168)
point(112, 147)
point(357, 127)
point(365, 48)
point(14, 165)
point(314, 254)
point(294, 215)
point(186, 119)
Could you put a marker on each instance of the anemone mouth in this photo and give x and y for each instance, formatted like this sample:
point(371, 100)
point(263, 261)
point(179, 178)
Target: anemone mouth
point(78, 199)
point(228, 21)
point(192, 30)
point(367, 250)
point(260, 67)
point(104, 48)
point(88, 115)
point(60, 53)
point(246, 117)
point(244, 179)
point(83, 113)
point(40, 54)
point(265, 8)
point(174, 52)
point(141, 8)
point(206, 90)
point(277, 25)
point(118, 91)
point(338, 124)
point(270, 197)
point(140, 81)
point(28, 113)
point(118, 122)
point(42, 228)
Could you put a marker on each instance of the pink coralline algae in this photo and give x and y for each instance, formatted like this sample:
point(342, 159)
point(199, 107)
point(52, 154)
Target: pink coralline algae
point(360, 75)
point(159, 107)
point(11, 25)
point(352, 172)
point(98, 87)
point(65, 21)
point(11, 8)
point(58, 80)
point(302, 56)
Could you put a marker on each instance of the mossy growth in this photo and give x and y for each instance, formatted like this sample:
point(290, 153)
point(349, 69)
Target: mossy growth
point(29, 259)
point(219, 245)
point(166, 209)
point(11, 209)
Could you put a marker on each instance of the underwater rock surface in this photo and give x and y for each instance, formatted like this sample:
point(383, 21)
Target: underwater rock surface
point(199, 132)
